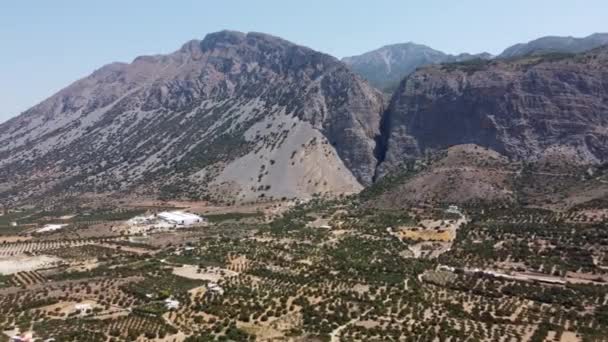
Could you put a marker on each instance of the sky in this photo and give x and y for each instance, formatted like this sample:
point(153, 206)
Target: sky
point(46, 45)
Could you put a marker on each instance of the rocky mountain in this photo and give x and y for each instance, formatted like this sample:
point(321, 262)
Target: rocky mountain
point(556, 44)
point(232, 117)
point(385, 67)
point(524, 109)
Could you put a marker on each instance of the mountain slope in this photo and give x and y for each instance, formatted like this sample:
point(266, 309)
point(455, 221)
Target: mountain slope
point(523, 108)
point(385, 67)
point(231, 117)
point(474, 175)
point(556, 44)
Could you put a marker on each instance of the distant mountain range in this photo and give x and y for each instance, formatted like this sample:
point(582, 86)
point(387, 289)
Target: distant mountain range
point(243, 117)
point(385, 67)
point(556, 44)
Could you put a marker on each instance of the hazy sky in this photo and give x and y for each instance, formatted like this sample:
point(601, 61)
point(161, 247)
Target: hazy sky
point(46, 45)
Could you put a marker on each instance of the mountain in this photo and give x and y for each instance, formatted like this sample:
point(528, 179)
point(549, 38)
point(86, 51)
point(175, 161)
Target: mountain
point(524, 109)
point(556, 44)
point(385, 67)
point(232, 117)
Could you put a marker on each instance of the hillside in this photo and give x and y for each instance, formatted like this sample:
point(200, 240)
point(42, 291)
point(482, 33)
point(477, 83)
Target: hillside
point(474, 175)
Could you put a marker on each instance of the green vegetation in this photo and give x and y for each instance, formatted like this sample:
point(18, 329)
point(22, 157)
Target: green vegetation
point(470, 67)
point(161, 285)
point(217, 218)
point(323, 265)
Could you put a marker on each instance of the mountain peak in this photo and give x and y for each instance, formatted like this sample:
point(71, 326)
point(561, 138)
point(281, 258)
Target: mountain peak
point(222, 38)
point(409, 44)
point(385, 67)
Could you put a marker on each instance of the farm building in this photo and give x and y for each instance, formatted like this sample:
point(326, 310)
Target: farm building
point(215, 288)
point(171, 304)
point(27, 337)
point(51, 228)
point(453, 209)
point(181, 218)
point(164, 220)
point(82, 308)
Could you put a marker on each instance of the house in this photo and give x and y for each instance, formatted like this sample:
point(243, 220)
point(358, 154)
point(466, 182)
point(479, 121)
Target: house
point(453, 209)
point(82, 308)
point(213, 287)
point(171, 304)
point(446, 268)
point(26, 337)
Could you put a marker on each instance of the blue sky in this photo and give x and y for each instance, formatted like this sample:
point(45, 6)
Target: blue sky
point(48, 44)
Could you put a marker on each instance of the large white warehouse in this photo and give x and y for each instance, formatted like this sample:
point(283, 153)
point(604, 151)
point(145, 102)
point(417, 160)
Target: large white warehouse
point(180, 218)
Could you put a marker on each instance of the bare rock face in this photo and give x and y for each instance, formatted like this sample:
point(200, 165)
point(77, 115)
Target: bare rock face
point(520, 108)
point(183, 124)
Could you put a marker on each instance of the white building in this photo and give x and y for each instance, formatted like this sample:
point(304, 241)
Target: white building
point(171, 304)
point(27, 337)
point(180, 218)
point(82, 307)
point(51, 228)
point(165, 220)
point(213, 287)
point(453, 209)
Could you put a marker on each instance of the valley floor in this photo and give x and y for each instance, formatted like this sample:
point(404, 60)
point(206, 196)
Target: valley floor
point(325, 270)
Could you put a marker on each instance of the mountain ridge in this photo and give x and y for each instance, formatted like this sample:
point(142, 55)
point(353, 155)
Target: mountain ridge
point(249, 116)
point(559, 44)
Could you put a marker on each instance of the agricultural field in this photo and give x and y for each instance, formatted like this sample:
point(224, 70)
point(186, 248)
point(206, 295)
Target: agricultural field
point(326, 270)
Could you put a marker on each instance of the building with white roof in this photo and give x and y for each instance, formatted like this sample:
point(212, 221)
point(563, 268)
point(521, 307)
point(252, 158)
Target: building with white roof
point(213, 287)
point(171, 304)
point(180, 218)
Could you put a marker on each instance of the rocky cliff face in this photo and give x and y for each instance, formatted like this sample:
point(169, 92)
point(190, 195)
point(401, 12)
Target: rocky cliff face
point(384, 68)
point(246, 116)
point(522, 108)
point(553, 44)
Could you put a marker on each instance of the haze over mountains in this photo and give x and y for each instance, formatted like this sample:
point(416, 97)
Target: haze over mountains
point(247, 117)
